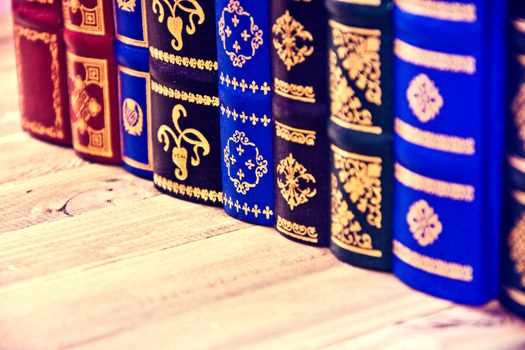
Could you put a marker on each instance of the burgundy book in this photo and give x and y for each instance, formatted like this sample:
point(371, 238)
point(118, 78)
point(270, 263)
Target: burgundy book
point(92, 78)
point(41, 69)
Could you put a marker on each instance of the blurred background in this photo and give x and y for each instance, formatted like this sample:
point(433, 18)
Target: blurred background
point(5, 21)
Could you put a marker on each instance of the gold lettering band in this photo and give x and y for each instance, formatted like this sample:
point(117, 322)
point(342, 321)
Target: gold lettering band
point(450, 11)
point(515, 295)
point(295, 230)
point(438, 142)
point(433, 59)
point(184, 95)
point(182, 61)
point(433, 266)
point(187, 191)
point(299, 136)
point(433, 187)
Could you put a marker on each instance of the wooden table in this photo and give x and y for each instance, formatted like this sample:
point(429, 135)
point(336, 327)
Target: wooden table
point(93, 257)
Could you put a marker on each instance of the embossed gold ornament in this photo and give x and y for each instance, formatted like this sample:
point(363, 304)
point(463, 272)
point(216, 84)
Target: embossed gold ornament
point(127, 5)
point(239, 34)
point(90, 21)
point(175, 22)
point(292, 177)
point(424, 98)
point(516, 244)
point(179, 154)
point(423, 223)
point(245, 165)
point(290, 40)
point(132, 117)
point(518, 112)
point(85, 106)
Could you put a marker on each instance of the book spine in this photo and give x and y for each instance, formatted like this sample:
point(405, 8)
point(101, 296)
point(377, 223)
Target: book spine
point(91, 71)
point(360, 131)
point(449, 93)
point(300, 113)
point(133, 81)
point(513, 242)
point(184, 101)
point(42, 87)
point(243, 52)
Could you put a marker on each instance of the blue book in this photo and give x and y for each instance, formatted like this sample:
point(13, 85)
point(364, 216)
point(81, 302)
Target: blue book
point(449, 93)
point(131, 52)
point(245, 109)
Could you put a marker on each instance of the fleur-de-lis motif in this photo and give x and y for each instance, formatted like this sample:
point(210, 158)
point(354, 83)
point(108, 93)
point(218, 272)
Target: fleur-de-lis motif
point(292, 176)
point(179, 153)
point(127, 5)
point(174, 22)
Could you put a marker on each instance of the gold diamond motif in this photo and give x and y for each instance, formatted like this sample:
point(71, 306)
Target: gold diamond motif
point(423, 223)
point(424, 98)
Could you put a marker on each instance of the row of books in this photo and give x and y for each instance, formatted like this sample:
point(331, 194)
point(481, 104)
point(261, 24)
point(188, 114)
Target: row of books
point(288, 113)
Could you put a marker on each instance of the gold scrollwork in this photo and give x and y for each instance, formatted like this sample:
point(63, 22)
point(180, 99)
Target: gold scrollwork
point(195, 63)
point(174, 22)
point(233, 15)
point(360, 177)
point(299, 136)
point(179, 153)
point(292, 177)
point(424, 98)
point(127, 5)
point(450, 11)
point(516, 244)
point(288, 34)
point(246, 208)
point(132, 117)
point(518, 112)
point(294, 91)
point(82, 19)
point(295, 230)
point(423, 223)
point(251, 165)
point(187, 191)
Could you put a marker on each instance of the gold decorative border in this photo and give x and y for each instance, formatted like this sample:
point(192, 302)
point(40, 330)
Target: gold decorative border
point(196, 63)
point(450, 11)
point(129, 161)
point(515, 295)
point(184, 95)
point(100, 29)
point(375, 253)
point(45, 2)
point(246, 208)
point(188, 191)
point(243, 84)
point(346, 154)
point(433, 59)
point(35, 127)
point(294, 91)
point(439, 142)
point(228, 112)
point(433, 266)
point(295, 230)
point(299, 136)
point(450, 190)
point(144, 23)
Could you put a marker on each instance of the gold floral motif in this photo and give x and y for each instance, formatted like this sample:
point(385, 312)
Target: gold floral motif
point(360, 177)
point(195, 63)
point(244, 33)
point(174, 22)
point(358, 51)
point(246, 166)
point(292, 177)
point(516, 244)
point(423, 223)
point(127, 5)
point(433, 266)
point(424, 98)
point(243, 85)
point(450, 11)
point(82, 19)
point(184, 95)
point(179, 153)
point(294, 91)
point(299, 136)
point(346, 230)
point(132, 117)
point(295, 230)
point(187, 191)
point(289, 34)
point(246, 208)
point(345, 107)
point(518, 112)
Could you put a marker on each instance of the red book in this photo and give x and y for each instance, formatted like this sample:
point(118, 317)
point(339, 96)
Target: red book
point(41, 69)
point(91, 75)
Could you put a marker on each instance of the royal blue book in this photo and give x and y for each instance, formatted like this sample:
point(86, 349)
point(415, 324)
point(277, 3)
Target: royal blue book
point(131, 52)
point(243, 52)
point(450, 102)
point(300, 113)
point(185, 106)
point(513, 238)
point(360, 130)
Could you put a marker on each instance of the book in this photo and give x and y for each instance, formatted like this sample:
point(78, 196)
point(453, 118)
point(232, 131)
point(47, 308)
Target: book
point(361, 131)
point(134, 86)
point(243, 52)
point(185, 106)
point(449, 93)
point(513, 237)
point(42, 88)
point(92, 79)
point(300, 114)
